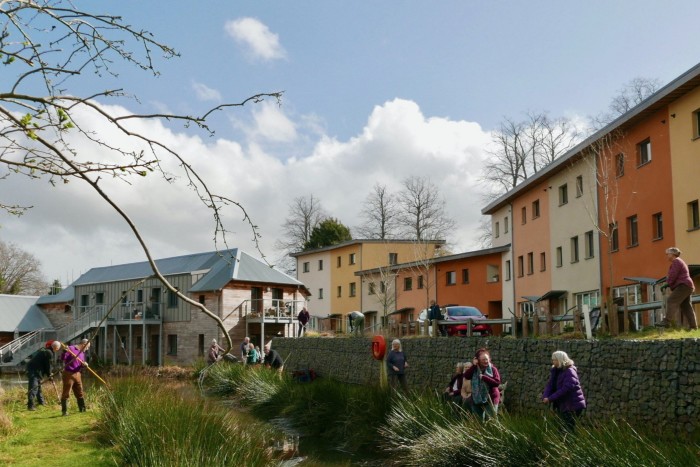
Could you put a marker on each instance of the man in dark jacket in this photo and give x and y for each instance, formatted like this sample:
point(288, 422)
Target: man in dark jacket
point(303, 318)
point(273, 359)
point(38, 367)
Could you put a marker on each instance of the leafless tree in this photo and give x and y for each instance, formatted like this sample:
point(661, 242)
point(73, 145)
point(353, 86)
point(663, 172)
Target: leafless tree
point(522, 148)
point(379, 214)
point(305, 214)
point(46, 46)
point(20, 272)
point(629, 95)
point(422, 213)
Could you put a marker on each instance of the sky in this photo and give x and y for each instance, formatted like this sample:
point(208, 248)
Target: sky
point(373, 92)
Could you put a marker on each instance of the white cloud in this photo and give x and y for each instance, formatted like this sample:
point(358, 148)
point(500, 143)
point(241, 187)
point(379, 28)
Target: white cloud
point(205, 93)
point(71, 229)
point(257, 37)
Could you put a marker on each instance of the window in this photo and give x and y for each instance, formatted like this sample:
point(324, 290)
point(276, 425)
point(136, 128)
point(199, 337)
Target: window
point(139, 296)
point(172, 299)
point(523, 213)
point(587, 298)
point(124, 300)
point(696, 124)
point(200, 345)
point(451, 278)
point(589, 247)
point(632, 233)
point(339, 261)
point(574, 249)
point(320, 294)
point(521, 267)
point(353, 289)
point(506, 225)
point(614, 238)
point(536, 209)
point(693, 215)
point(408, 283)
point(340, 291)
point(530, 263)
point(657, 222)
point(497, 230)
point(202, 299)
point(579, 186)
point(507, 270)
point(465, 276)
point(563, 195)
point(306, 267)
point(320, 265)
point(382, 287)
point(99, 298)
point(84, 303)
point(420, 281)
point(172, 344)
point(393, 258)
point(644, 152)
point(372, 289)
point(351, 258)
point(560, 257)
point(543, 261)
point(620, 165)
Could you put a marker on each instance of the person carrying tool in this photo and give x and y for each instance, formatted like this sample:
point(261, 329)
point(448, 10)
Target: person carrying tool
point(38, 367)
point(74, 360)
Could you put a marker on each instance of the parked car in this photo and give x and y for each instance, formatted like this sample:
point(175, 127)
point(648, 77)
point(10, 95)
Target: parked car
point(463, 316)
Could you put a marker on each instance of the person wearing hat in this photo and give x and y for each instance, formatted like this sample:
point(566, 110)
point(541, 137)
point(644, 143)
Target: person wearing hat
point(214, 350)
point(38, 367)
point(74, 361)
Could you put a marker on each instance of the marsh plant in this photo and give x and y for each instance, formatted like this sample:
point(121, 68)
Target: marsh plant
point(152, 424)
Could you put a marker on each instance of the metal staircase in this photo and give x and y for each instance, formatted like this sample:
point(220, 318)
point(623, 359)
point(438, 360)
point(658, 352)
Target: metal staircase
point(15, 352)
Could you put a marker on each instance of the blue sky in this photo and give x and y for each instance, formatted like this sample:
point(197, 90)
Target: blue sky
point(373, 92)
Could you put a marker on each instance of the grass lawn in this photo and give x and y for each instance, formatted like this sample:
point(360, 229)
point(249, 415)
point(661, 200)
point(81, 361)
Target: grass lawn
point(44, 437)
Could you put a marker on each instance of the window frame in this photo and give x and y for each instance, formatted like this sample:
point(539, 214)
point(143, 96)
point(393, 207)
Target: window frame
point(465, 275)
point(536, 209)
point(523, 214)
point(589, 245)
point(407, 283)
point(620, 165)
point(563, 194)
point(451, 278)
point(530, 263)
point(352, 292)
point(579, 186)
point(559, 256)
point(507, 270)
point(657, 224)
point(693, 215)
point(644, 152)
point(352, 259)
point(305, 267)
point(632, 231)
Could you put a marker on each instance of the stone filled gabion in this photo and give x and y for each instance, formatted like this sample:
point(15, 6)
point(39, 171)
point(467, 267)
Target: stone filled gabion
point(644, 382)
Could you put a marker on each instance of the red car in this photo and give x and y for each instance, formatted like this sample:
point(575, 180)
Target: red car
point(464, 316)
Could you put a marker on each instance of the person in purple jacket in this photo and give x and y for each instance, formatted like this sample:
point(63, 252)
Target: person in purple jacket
point(564, 391)
point(682, 287)
point(74, 360)
point(485, 380)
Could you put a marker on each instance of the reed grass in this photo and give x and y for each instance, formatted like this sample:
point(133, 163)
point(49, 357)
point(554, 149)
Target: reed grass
point(152, 425)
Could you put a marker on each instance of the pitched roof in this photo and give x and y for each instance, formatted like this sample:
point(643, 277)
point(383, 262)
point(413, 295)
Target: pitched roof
point(360, 241)
point(20, 313)
point(218, 269)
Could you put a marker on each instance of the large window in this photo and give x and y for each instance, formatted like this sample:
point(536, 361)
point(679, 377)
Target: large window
point(644, 152)
point(536, 209)
point(353, 289)
point(693, 215)
point(632, 231)
point(530, 263)
point(590, 246)
point(408, 283)
point(657, 222)
point(563, 195)
point(574, 249)
point(451, 277)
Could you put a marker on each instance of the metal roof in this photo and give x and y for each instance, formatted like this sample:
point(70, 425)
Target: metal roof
point(20, 313)
point(64, 296)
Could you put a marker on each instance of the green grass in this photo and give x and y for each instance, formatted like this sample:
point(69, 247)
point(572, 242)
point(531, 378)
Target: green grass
point(44, 437)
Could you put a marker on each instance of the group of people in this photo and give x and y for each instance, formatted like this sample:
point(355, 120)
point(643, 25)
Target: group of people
point(476, 385)
point(73, 360)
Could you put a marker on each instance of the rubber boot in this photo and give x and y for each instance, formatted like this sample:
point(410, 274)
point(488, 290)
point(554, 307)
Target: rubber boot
point(81, 404)
point(64, 407)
